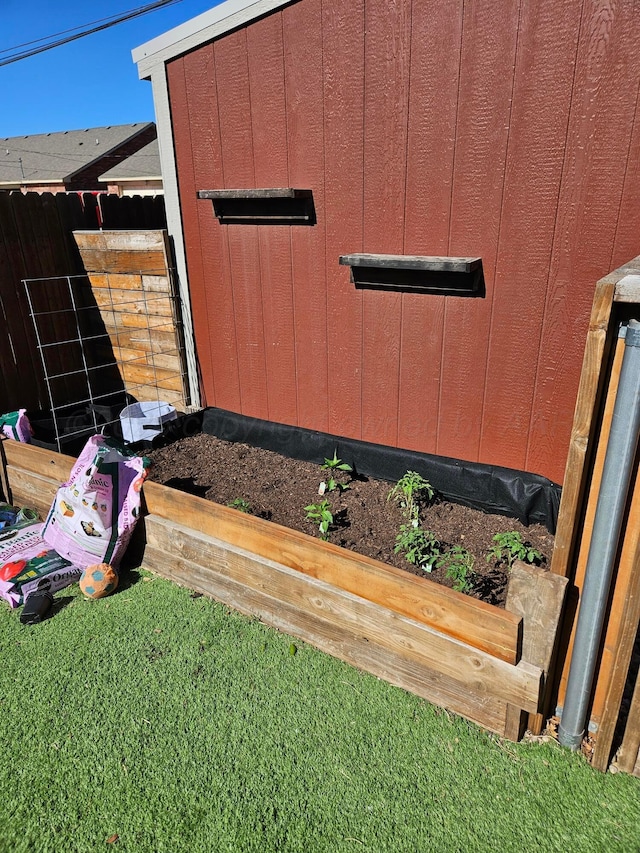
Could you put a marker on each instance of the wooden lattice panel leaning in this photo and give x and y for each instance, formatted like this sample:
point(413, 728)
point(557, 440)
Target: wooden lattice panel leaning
point(132, 281)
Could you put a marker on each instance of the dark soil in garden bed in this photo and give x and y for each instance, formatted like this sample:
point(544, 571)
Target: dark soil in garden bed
point(365, 520)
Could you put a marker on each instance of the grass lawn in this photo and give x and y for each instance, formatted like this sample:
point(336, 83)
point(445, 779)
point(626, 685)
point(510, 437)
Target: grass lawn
point(159, 721)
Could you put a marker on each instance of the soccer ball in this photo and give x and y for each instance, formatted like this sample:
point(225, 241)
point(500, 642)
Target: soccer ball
point(98, 581)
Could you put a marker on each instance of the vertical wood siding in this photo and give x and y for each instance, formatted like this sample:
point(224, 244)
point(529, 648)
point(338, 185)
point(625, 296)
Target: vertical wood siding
point(439, 128)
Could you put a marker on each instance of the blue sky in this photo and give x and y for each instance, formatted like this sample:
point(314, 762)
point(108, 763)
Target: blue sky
point(90, 82)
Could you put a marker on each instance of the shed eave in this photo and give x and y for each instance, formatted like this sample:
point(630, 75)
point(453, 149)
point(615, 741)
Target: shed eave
point(205, 27)
point(36, 182)
point(113, 179)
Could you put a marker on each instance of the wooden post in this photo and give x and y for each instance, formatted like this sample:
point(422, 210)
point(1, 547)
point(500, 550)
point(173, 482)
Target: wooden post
point(592, 424)
point(538, 596)
point(592, 491)
point(599, 339)
point(4, 481)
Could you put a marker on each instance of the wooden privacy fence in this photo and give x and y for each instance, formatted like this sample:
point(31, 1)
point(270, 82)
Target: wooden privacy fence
point(614, 714)
point(36, 241)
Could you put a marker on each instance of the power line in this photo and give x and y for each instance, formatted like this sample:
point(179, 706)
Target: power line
point(56, 35)
point(126, 16)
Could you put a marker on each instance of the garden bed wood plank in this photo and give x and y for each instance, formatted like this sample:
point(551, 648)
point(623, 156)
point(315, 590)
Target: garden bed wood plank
point(483, 626)
point(354, 649)
point(538, 596)
point(32, 490)
point(150, 283)
point(334, 637)
point(368, 634)
point(38, 460)
point(480, 673)
point(134, 301)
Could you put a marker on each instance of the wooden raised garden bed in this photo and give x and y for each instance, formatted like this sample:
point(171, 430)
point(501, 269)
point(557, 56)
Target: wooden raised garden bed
point(480, 661)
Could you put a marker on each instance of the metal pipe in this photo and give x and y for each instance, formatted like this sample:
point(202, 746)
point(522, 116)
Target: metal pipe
point(612, 500)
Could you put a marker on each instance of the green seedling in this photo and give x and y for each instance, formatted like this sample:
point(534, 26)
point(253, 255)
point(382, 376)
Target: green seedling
point(240, 504)
point(321, 514)
point(331, 483)
point(510, 547)
point(336, 464)
point(420, 547)
point(410, 489)
point(458, 565)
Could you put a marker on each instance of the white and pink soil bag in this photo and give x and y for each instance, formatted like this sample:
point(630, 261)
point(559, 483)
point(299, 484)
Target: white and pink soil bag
point(94, 514)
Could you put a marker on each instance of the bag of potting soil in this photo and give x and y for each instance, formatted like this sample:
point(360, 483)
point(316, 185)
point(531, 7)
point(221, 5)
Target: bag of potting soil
point(28, 564)
point(16, 425)
point(94, 514)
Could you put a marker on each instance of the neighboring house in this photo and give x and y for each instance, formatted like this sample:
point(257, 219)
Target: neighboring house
point(139, 174)
point(69, 161)
point(459, 129)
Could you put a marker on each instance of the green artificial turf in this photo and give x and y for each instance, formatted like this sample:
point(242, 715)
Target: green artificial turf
point(169, 721)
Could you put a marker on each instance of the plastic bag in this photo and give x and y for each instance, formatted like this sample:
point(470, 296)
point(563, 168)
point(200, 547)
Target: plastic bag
point(16, 425)
point(16, 516)
point(94, 514)
point(28, 564)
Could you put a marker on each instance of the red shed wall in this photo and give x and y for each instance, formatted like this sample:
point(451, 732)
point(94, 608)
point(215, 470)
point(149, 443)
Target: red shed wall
point(441, 128)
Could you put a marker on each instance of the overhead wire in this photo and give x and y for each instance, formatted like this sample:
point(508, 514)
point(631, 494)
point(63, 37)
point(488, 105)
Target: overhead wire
point(56, 35)
point(93, 27)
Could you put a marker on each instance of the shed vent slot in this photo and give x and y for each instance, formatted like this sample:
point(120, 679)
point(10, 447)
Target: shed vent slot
point(285, 206)
point(417, 274)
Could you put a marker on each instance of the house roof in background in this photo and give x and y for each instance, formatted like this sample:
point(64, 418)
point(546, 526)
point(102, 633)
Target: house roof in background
point(143, 165)
point(57, 157)
point(205, 27)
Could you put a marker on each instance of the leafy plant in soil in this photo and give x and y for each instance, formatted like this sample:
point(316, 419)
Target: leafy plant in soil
point(365, 518)
point(511, 547)
point(334, 465)
point(408, 492)
point(420, 547)
point(457, 563)
point(321, 514)
point(240, 504)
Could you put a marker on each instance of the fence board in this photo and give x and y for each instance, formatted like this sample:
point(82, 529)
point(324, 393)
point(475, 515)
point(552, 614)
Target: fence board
point(36, 242)
point(620, 638)
point(629, 759)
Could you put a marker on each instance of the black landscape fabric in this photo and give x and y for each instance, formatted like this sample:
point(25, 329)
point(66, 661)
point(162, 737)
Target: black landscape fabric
point(528, 497)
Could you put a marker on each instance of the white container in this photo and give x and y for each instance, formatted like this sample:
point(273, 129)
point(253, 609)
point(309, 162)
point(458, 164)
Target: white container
point(143, 421)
